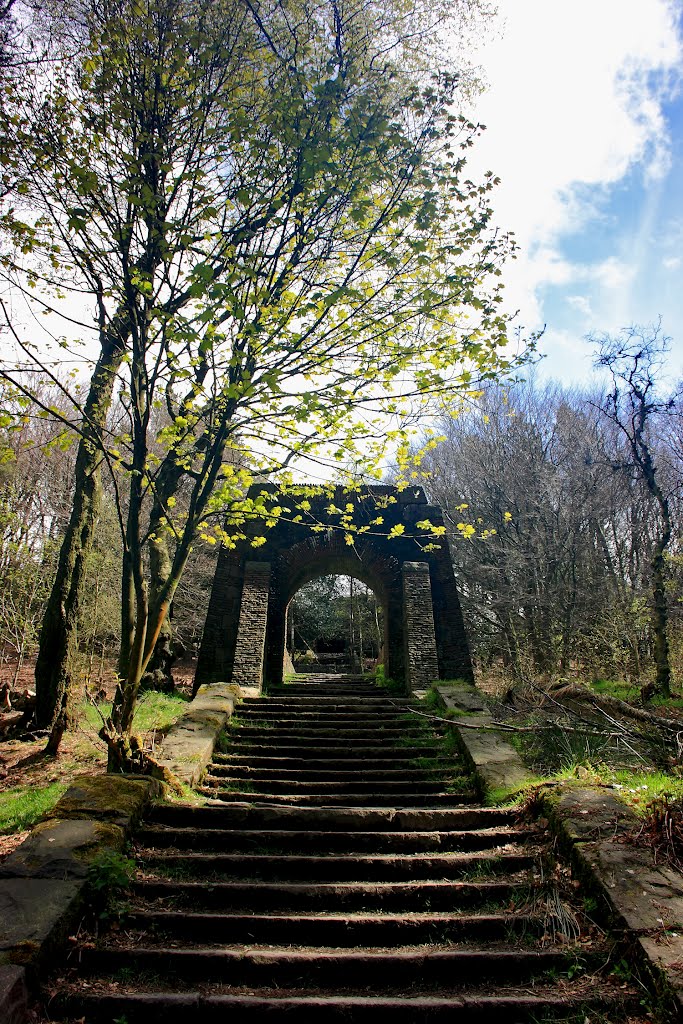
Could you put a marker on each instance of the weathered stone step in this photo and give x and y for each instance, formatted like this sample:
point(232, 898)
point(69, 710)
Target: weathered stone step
point(364, 705)
point(263, 798)
point(383, 970)
point(309, 706)
point(357, 691)
point(319, 766)
point(294, 775)
point(339, 782)
point(341, 931)
point(336, 819)
point(425, 744)
point(481, 1007)
point(332, 896)
point(390, 724)
point(507, 861)
point(358, 750)
point(328, 690)
point(284, 732)
point(265, 840)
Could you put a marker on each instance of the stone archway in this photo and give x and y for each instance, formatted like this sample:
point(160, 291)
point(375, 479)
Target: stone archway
point(244, 636)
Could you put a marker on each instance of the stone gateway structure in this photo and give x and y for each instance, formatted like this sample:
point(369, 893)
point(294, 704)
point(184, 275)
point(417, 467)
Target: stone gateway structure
point(424, 637)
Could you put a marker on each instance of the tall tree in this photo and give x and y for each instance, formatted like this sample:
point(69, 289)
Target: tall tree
point(553, 546)
point(268, 204)
point(635, 361)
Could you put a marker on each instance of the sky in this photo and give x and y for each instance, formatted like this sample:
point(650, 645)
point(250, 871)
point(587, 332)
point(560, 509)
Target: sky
point(584, 125)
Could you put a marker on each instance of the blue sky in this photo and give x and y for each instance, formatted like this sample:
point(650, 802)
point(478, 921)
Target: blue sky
point(584, 116)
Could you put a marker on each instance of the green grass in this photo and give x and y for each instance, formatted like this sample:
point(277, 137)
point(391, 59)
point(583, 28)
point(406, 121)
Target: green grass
point(630, 693)
point(154, 711)
point(21, 808)
point(635, 788)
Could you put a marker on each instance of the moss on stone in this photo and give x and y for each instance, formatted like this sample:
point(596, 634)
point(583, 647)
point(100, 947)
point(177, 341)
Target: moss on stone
point(114, 798)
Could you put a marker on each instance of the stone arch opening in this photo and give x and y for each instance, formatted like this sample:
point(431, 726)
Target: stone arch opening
point(334, 624)
point(245, 634)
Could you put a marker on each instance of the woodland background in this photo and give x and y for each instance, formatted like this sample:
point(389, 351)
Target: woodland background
point(555, 576)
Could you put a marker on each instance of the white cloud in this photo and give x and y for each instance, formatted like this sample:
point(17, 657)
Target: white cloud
point(612, 273)
point(582, 304)
point(575, 102)
point(671, 262)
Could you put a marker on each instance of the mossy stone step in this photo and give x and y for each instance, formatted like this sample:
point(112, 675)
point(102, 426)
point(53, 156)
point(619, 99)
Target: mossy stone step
point(507, 861)
point(267, 1007)
point(281, 841)
point(330, 929)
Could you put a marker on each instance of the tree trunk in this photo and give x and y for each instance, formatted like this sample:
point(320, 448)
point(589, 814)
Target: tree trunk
point(159, 672)
point(57, 635)
point(660, 622)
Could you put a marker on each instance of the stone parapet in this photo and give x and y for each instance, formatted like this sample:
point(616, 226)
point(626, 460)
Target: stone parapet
point(189, 745)
point(43, 883)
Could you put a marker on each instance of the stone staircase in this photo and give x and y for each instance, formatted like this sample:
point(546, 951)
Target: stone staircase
point(340, 868)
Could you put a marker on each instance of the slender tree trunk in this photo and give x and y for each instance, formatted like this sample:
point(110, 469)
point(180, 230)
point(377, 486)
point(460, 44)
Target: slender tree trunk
point(660, 620)
point(57, 635)
point(658, 567)
point(159, 672)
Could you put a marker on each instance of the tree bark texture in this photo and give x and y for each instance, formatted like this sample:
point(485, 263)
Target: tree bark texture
point(58, 632)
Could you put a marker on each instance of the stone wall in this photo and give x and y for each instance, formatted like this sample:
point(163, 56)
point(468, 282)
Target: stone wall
point(251, 632)
point(421, 660)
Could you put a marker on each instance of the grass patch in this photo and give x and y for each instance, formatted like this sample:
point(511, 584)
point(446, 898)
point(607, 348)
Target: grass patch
point(21, 808)
point(635, 788)
point(630, 693)
point(391, 685)
point(512, 796)
point(155, 712)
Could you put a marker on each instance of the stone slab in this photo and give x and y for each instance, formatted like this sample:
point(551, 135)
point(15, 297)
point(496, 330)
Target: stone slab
point(644, 896)
point(463, 698)
point(36, 913)
point(491, 756)
point(190, 743)
point(664, 952)
point(119, 799)
point(13, 995)
point(639, 894)
point(62, 849)
point(588, 814)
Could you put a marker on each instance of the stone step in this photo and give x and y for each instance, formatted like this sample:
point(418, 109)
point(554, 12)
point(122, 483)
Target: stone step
point(339, 782)
point(507, 861)
point(359, 746)
point(344, 704)
point(328, 690)
point(281, 841)
point(371, 707)
point(267, 1007)
point(338, 819)
point(333, 722)
point(329, 929)
point(360, 800)
point(261, 773)
point(381, 970)
point(285, 732)
point(338, 685)
point(355, 750)
point(318, 766)
point(331, 896)
point(359, 691)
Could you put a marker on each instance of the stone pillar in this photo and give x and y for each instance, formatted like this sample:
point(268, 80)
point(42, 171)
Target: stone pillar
point(421, 661)
point(247, 667)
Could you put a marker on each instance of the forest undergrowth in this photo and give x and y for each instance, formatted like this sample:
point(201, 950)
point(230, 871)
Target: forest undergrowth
point(32, 781)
